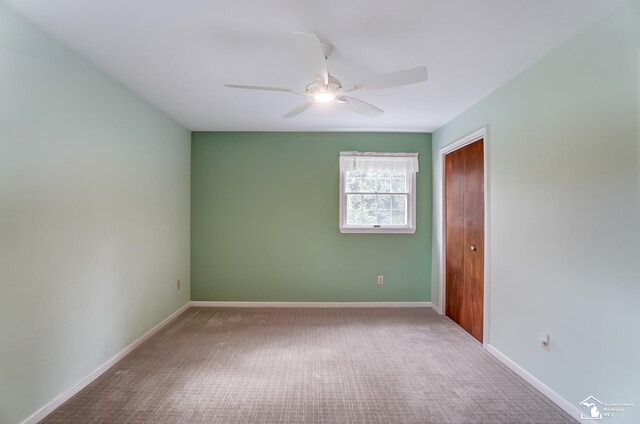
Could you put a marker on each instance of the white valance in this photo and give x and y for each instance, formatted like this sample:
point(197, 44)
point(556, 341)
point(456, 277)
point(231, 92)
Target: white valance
point(378, 162)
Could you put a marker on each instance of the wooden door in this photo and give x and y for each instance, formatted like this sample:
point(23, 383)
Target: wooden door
point(464, 237)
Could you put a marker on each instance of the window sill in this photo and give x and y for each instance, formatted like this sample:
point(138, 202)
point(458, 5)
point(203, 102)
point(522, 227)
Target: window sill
point(364, 230)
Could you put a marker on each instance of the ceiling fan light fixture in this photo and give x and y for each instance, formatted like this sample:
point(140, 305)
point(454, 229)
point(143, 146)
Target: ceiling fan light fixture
point(327, 89)
point(324, 97)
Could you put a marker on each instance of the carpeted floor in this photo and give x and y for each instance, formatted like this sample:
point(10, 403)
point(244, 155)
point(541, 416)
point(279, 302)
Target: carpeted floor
point(309, 365)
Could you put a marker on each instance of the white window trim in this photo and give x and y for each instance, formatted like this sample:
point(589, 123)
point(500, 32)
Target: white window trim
point(410, 228)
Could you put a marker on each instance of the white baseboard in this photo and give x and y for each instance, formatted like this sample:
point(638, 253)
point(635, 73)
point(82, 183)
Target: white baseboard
point(216, 303)
point(66, 395)
point(567, 406)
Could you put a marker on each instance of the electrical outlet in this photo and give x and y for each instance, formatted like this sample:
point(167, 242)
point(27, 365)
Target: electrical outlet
point(178, 285)
point(543, 337)
point(380, 279)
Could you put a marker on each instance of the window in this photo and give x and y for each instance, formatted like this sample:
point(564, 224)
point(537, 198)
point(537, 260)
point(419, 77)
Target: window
point(378, 192)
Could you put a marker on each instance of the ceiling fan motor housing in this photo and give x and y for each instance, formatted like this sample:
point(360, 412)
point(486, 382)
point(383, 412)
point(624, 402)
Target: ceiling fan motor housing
point(319, 87)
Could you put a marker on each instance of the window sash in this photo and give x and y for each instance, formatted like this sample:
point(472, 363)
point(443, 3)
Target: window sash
point(410, 203)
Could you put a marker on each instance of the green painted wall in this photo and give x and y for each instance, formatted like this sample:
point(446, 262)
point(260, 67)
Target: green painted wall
point(264, 221)
point(564, 213)
point(94, 218)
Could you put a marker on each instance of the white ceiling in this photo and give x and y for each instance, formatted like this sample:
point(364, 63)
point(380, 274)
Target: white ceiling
point(178, 54)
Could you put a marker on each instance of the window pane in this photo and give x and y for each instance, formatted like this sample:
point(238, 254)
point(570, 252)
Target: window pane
point(399, 185)
point(355, 174)
point(383, 185)
point(399, 217)
point(399, 202)
point(384, 201)
point(384, 216)
point(353, 184)
point(354, 201)
point(369, 216)
point(369, 185)
point(354, 216)
point(369, 201)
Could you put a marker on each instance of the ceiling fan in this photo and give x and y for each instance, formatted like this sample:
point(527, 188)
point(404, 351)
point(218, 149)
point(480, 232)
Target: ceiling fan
point(325, 88)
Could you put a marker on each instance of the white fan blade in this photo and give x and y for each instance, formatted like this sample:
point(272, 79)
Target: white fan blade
point(312, 53)
point(393, 79)
point(254, 87)
point(358, 106)
point(299, 109)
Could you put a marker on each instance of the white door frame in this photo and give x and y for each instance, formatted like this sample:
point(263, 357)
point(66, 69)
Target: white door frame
point(482, 133)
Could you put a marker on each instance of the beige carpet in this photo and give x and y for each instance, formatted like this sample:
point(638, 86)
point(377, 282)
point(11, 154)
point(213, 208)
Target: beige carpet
point(307, 365)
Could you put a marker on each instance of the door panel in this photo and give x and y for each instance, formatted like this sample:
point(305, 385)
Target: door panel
point(454, 188)
point(464, 232)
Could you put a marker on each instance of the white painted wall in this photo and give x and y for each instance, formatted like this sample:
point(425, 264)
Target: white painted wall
point(94, 218)
point(564, 184)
